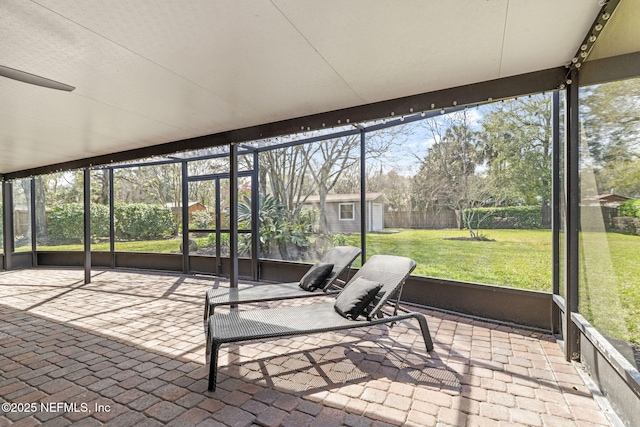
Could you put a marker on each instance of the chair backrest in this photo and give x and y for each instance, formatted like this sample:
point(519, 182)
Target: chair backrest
point(388, 270)
point(341, 257)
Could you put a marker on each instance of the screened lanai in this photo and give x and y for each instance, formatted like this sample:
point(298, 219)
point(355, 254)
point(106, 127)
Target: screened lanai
point(233, 144)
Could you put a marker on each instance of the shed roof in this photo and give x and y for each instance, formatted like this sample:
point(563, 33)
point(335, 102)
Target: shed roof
point(340, 198)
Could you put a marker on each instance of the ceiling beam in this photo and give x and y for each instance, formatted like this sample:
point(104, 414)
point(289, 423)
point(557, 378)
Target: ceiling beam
point(606, 70)
point(477, 93)
point(590, 39)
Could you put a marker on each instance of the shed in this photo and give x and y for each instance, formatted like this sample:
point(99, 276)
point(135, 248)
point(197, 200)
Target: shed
point(176, 210)
point(343, 211)
point(193, 207)
point(608, 200)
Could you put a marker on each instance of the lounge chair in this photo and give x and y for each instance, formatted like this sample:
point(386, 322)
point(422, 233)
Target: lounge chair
point(338, 259)
point(381, 277)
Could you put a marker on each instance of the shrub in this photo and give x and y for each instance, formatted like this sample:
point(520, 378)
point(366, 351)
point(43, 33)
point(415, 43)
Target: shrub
point(143, 221)
point(629, 220)
point(65, 222)
point(627, 225)
point(630, 208)
point(279, 235)
point(514, 217)
point(338, 239)
point(504, 223)
point(210, 240)
point(201, 220)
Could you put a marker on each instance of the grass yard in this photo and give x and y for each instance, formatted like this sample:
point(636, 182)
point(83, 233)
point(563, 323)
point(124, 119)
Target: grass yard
point(609, 274)
point(610, 284)
point(517, 258)
point(164, 246)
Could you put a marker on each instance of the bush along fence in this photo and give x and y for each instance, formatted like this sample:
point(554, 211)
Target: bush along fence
point(513, 217)
point(628, 221)
point(133, 221)
point(510, 217)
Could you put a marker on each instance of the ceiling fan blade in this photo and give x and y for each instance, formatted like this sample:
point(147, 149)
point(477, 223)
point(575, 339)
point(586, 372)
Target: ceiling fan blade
point(33, 79)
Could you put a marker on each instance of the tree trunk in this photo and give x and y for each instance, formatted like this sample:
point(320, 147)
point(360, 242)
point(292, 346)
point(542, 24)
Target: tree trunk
point(104, 187)
point(459, 222)
point(469, 218)
point(323, 228)
point(42, 234)
point(546, 214)
point(26, 187)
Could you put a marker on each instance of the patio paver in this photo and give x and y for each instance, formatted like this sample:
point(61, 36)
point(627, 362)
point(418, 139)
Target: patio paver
point(128, 349)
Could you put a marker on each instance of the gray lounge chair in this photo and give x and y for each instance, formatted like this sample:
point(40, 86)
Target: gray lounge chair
point(386, 270)
point(340, 256)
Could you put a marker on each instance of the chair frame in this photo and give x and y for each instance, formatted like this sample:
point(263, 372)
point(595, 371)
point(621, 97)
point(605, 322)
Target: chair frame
point(309, 319)
point(281, 291)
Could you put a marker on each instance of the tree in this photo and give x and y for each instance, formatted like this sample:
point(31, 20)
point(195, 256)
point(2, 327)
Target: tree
point(283, 174)
point(611, 118)
point(449, 174)
point(621, 177)
point(100, 187)
point(155, 184)
point(516, 142)
point(23, 195)
point(321, 168)
point(42, 235)
point(395, 187)
point(327, 161)
point(50, 190)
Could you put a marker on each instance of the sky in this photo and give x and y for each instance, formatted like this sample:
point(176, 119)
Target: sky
point(415, 143)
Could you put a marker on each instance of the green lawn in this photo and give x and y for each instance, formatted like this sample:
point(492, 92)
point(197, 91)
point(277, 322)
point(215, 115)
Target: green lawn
point(517, 258)
point(610, 284)
point(164, 246)
point(609, 275)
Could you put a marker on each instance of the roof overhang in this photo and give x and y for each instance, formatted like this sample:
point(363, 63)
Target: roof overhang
point(155, 79)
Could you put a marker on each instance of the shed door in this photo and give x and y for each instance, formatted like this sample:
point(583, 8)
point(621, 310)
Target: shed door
point(377, 217)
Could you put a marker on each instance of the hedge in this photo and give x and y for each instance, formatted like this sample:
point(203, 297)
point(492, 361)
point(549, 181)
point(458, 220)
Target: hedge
point(65, 222)
point(627, 225)
point(514, 217)
point(630, 208)
point(628, 221)
point(143, 221)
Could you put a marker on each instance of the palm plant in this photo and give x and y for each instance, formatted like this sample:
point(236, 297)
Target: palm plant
point(278, 233)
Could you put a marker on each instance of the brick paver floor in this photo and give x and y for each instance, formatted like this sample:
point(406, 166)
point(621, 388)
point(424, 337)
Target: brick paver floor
point(128, 350)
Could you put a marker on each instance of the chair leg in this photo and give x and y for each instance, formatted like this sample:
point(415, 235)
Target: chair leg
point(207, 346)
point(206, 314)
point(425, 330)
point(213, 367)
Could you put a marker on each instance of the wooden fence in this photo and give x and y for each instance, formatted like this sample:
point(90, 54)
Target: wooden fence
point(444, 218)
point(593, 218)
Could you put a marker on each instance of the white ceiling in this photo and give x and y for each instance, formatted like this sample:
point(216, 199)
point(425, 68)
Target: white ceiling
point(148, 72)
point(622, 34)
